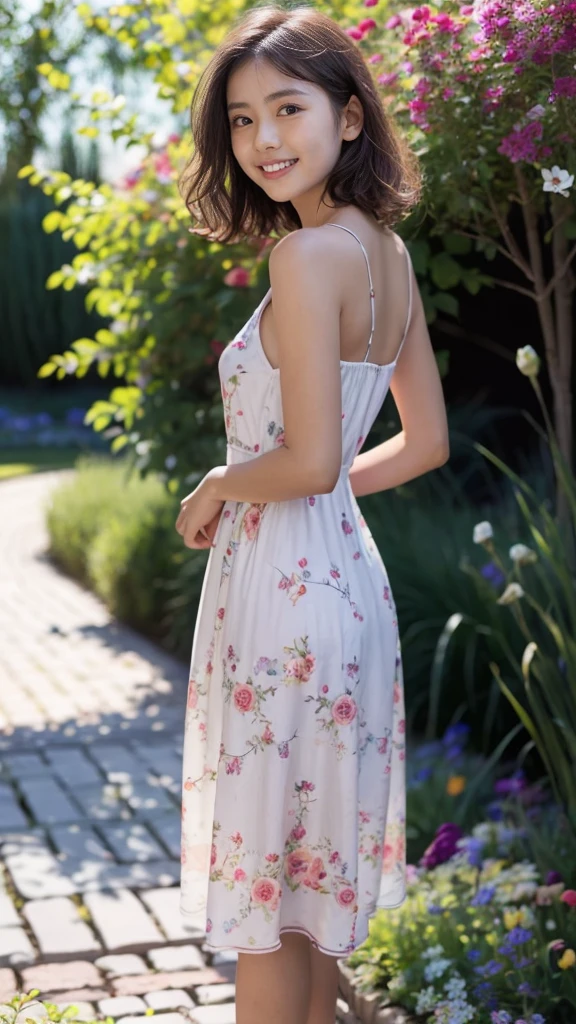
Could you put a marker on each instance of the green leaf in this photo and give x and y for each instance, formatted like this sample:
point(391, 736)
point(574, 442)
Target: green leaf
point(55, 280)
point(46, 369)
point(119, 442)
point(457, 245)
point(26, 171)
point(569, 228)
point(445, 272)
point(446, 303)
point(51, 222)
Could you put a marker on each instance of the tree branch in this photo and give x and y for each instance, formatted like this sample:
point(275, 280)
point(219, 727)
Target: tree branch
point(516, 252)
point(560, 273)
point(517, 288)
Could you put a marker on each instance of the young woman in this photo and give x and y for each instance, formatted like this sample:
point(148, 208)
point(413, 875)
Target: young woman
point(294, 798)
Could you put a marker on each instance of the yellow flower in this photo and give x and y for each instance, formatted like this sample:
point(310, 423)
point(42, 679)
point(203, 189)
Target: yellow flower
point(456, 784)
point(568, 959)
point(512, 918)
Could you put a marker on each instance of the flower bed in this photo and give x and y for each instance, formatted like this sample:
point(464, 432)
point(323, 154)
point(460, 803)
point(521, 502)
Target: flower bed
point(487, 934)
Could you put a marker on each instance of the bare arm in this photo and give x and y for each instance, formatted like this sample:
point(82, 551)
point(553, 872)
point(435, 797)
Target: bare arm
point(422, 444)
point(307, 329)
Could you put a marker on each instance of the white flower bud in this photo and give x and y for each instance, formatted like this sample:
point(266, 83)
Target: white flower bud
point(482, 532)
point(528, 361)
point(522, 555)
point(512, 593)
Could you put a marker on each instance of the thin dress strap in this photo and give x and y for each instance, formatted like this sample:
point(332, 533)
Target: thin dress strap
point(408, 262)
point(372, 307)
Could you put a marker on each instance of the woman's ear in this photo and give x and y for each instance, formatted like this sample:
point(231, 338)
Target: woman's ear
point(353, 119)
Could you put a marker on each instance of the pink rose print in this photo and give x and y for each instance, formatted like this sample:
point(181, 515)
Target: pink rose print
point(402, 725)
point(346, 897)
point(312, 500)
point(315, 874)
point(213, 855)
point(236, 838)
point(280, 438)
point(220, 613)
point(234, 766)
point(244, 697)
point(192, 694)
point(252, 521)
point(325, 688)
point(239, 875)
point(266, 891)
point(188, 785)
point(300, 668)
point(297, 862)
point(356, 555)
point(382, 744)
point(272, 858)
point(307, 787)
point(303, 562)
point(344, 709)
point(268, 735)
point(208, 926)
point(283, 749)
point(298, 832)
point(346, 526)
point(396, 692)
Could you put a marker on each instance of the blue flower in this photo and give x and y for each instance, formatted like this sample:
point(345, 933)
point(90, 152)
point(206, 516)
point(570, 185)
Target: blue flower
point(423, 774)
point(537, 1018)
point(518, 935)
point(484, 991)
point(455, 733)
point(492, 574)
point(490, 967)
point(474, 849)
point(494, 812)
point(454, 752)
point(473, 954)
point(433, 908)
point(483, 896)
point(501, 1017)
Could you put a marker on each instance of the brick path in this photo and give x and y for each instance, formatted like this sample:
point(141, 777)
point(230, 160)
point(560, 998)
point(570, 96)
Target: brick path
point(91, 731)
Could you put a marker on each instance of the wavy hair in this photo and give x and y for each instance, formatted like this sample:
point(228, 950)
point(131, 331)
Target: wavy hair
point(375, 172)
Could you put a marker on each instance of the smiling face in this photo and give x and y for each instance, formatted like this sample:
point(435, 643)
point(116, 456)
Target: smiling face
point(278, 120)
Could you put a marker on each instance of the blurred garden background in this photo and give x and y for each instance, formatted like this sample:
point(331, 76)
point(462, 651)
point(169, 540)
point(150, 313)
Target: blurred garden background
point(112, 318)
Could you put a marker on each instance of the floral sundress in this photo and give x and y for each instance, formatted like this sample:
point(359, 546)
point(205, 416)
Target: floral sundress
point(293, 800)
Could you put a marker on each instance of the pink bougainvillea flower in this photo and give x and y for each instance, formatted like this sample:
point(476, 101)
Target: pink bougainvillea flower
point(388, 79)
point(238, 277)
point(375, 58)
point(569, 897)
point(393, 22)
point(370, 3)
point(355, 33)
point(367, 24)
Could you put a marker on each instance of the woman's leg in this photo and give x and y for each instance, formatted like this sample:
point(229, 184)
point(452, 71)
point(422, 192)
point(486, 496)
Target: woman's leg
point(324, 969)
point(274, 988)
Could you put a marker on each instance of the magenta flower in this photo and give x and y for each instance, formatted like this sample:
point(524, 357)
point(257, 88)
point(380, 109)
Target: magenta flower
point(238, 277)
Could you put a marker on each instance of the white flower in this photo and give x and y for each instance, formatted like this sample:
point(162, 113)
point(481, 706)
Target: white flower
point(557, 180)
point(522, 555)
point(528, 361)
point(536, 112)
point(170, 461)
point(512, 593)
point(482, 532)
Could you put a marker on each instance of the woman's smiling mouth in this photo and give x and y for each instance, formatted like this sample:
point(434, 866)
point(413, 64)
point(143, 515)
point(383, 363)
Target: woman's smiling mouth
point(278, 169)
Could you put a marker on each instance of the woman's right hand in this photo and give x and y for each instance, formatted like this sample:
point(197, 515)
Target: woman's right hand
point(211, 529)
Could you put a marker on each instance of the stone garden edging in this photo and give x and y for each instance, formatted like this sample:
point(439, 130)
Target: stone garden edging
point(364, 1007)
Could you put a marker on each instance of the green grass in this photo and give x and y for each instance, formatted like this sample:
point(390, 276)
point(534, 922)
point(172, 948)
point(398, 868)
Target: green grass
point(20, 461)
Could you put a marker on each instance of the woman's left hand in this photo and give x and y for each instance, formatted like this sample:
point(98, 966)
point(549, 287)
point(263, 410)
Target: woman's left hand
point(198, 510)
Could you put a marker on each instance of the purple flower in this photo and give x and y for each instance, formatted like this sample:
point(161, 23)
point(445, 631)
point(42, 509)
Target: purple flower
point(514, 784)
point(423, 774)
point(522, 143)
point(455, 733)
point(434, 909)
point(553, 877)
point(493, 574)
point(494, 812)
point(443, 846)
point(43, 419)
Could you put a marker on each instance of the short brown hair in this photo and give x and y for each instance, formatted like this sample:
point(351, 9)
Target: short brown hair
point(375, 172)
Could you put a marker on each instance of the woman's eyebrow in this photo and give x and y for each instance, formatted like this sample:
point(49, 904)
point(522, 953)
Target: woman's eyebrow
point(268, 99)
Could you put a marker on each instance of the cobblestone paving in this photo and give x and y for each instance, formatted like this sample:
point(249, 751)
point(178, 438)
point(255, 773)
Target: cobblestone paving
point(91, 732)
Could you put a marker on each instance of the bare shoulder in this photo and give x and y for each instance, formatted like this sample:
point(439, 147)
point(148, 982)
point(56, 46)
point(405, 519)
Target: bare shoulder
point(305, 245)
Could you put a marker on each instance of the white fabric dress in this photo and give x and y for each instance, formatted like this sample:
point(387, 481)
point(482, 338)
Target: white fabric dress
point(293, 803)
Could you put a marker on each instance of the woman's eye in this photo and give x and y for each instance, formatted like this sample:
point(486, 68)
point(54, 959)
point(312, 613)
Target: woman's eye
point(243, 117)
